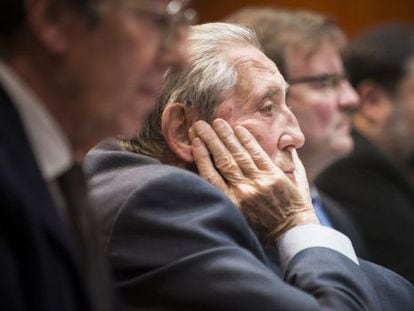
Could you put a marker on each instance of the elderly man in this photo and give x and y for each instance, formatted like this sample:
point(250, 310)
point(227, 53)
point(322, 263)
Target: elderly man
point(374, 182)
point(176, 242)
point(71, 73)
point(307, 47)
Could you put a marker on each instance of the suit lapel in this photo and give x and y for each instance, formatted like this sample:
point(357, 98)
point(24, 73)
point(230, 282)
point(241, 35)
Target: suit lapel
point(20, 170)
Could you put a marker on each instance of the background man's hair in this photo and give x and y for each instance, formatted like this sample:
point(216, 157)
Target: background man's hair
point(381, 55)
point(280, 31)
point(207, 77)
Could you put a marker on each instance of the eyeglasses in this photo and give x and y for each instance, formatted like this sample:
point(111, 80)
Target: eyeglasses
point(325, 81)
point(175, 11)
point(168, 18)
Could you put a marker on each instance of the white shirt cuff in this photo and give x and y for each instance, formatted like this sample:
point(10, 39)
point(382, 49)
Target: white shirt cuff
point(302, 237)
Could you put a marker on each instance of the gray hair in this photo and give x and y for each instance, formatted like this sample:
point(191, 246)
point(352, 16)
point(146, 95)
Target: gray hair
point(205, 80)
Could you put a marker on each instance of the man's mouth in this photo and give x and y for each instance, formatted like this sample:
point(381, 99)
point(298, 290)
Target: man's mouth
point(344, 124)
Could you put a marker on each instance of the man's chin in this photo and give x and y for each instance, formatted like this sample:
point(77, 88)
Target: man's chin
point(326, 152)
point(341, 148)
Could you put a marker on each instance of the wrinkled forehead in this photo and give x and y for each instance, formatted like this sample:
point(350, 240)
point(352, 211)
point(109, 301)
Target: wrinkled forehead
point(251, 63)
point(250, 59)
point(257, 76)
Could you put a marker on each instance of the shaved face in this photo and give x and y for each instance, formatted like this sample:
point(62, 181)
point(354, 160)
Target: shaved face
point(258, 103)
point(321, 109)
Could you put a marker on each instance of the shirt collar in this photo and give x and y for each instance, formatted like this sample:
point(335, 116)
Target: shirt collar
point(314, 192)
point(49, 144)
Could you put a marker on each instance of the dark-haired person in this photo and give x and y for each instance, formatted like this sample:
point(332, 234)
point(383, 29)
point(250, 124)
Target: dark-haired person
point(373, 182)
point(71, 74)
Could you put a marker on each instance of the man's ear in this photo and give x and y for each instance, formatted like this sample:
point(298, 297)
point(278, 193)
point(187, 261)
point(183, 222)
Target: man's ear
point(49, 23)
point(376, 103)
point(176, 120)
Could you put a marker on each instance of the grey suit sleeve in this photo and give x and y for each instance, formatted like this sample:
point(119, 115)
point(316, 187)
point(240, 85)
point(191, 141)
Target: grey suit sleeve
point(177, 243)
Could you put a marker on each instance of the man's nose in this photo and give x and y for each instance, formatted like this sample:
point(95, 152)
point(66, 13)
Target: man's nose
point(348, 97)
point(293, 136)
point(298, 136)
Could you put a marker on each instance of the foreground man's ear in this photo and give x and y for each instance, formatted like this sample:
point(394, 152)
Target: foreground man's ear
point(49, 24)
point(176, 120)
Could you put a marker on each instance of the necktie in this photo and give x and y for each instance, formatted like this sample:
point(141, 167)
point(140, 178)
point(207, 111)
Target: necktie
point(73, 187)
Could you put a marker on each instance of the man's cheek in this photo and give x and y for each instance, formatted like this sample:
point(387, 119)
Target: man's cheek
point(325, 113)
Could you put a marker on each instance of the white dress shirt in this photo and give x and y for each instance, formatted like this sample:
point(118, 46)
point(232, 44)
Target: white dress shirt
point(300, 238)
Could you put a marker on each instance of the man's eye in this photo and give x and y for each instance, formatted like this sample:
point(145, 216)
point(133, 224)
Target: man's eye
point(329, 82)
point(267, 109)
point(322, 84)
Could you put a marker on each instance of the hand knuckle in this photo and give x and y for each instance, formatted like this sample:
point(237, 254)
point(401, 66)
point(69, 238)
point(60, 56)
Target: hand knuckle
point(242, 158)
point(227, 137)
point(226, 163)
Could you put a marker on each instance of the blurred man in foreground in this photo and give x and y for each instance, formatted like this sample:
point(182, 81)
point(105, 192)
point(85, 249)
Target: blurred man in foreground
point(71, 74)
point(176, 242)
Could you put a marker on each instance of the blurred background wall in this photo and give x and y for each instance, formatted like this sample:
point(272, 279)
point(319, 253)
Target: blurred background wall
point(353, 15)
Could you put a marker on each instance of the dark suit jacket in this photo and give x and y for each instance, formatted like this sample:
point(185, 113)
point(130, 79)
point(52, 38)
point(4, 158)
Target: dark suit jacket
point(39, 268)
point(177, 243)
point(342, 222)
point(380, 198)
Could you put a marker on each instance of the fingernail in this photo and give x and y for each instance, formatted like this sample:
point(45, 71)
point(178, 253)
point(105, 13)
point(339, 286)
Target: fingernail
point(240, 130)
point(219, 123)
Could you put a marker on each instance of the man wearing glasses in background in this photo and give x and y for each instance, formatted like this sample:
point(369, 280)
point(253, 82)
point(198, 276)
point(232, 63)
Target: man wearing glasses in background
point(71, 74)
point(374, 183)
point(306, 47)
